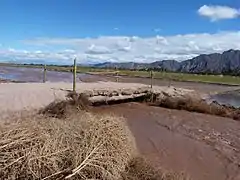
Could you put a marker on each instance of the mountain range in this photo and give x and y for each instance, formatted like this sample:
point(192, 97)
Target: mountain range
point(227, 62)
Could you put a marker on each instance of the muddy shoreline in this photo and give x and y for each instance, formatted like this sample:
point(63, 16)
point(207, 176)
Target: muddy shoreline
point(10, 81)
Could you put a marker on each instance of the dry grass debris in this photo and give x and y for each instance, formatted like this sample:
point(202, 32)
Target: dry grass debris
point(62, 108)
point(81, 146)
point(139, 168)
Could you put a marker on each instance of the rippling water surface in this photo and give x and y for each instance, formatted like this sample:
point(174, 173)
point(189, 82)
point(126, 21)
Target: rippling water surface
point(36, 75)
point(229, 98)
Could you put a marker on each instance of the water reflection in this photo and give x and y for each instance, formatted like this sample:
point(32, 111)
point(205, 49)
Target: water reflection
point(229, 98)
point(36, 75)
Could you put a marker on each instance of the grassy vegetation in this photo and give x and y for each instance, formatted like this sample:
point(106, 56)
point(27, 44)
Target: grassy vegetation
point(185, 77)
point(63, 68)
point(219, 79)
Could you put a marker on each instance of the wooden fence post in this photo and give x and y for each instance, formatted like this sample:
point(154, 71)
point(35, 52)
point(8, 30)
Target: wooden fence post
point(151, 77)
point(117, 76)
point(74, 74)
point(170, 80)
point(44, 73)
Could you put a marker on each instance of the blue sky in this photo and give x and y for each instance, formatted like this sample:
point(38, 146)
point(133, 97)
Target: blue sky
point(55, 31)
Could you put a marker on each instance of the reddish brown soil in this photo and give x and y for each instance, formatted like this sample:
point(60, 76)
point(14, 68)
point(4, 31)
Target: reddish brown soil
point(203, 146)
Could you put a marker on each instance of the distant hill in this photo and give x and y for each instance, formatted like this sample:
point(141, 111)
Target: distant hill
point(127, 65)
point(226, 63)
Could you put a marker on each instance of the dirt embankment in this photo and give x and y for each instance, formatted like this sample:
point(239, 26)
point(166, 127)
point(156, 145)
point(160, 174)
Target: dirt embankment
point(19, 96)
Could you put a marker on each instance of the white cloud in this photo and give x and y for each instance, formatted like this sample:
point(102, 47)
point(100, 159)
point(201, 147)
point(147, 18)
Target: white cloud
point(157, 30)
point(124, 48)
point(38, 52)
point(35, 56)
point(93, 49)
point(216, 13)
point(69, 51)
point(11, 50)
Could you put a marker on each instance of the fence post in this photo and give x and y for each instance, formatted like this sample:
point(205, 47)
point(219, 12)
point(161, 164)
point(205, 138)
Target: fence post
point(151, 77)
point(117, 78)
point(170, 80)
point(74, 74)
point(44, 73)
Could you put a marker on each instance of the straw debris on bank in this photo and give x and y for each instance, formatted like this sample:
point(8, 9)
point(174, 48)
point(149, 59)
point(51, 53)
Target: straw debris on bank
point(62, 108)
point(81, 146)
point(139, 168)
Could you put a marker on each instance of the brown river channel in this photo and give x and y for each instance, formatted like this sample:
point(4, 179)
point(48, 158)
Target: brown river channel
point(202, 146)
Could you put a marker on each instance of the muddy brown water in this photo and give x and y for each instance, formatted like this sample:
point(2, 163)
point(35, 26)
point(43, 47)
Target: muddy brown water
point(203, 146)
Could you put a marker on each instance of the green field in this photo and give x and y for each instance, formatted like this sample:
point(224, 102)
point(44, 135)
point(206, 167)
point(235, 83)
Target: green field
point(218, 79)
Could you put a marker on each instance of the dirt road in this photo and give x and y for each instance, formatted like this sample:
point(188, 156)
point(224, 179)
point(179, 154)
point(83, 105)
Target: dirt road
point(205, 147)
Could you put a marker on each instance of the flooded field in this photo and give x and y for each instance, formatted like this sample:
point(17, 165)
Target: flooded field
point(36, 75)
point(231, 98)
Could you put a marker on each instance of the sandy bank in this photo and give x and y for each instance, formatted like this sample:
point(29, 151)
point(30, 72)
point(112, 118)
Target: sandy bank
point(22, 96)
